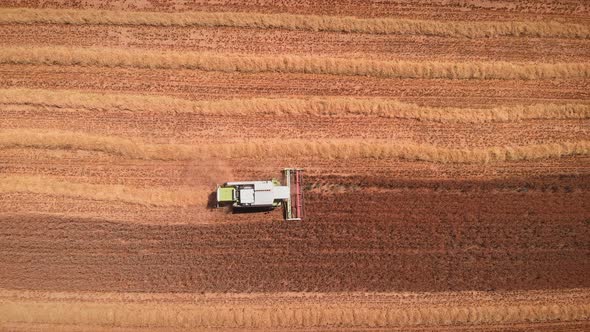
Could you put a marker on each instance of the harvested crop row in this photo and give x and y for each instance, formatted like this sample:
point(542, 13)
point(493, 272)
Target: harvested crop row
point(86, 311)
point(105, 57)
point(297, 22)
point(152, 196)
point(332, 106)
point(328, 149)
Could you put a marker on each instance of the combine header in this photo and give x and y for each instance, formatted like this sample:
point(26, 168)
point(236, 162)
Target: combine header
point(252, 196)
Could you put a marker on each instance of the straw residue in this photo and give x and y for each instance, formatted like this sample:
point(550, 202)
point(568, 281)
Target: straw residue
point(326, 106)
point(144, 196)
point(327, 149)
point(107, 57)
point(200, 313)
point(468, 29)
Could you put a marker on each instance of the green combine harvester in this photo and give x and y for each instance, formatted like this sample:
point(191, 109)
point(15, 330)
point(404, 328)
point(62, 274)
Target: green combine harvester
point(251, 196)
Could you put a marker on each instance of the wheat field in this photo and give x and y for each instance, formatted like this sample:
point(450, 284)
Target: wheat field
point(445, 148)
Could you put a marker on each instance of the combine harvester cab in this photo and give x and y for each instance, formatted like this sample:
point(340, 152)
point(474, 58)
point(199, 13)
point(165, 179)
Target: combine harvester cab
point(253, 196)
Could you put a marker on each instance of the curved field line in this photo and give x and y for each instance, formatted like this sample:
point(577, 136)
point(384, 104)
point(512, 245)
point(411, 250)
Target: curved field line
point(107, 57)
point(100, 192)
point(328, 106)
point(468, 29)
point(328, 149)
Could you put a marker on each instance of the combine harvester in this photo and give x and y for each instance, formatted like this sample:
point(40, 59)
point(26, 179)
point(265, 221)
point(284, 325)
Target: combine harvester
point(254, 196)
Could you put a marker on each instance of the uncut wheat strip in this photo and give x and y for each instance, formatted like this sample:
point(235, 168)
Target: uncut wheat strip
point(107, 57)
point(468, 29)
point(328, 106)
point(143, 196)
point(327, 149)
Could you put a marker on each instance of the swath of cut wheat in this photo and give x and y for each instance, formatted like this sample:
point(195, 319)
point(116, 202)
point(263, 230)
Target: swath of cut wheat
point(327, 149)
point(143, 196)
point(327, 106)
point(307, 310)
point(107, 57)
point(468, 29)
